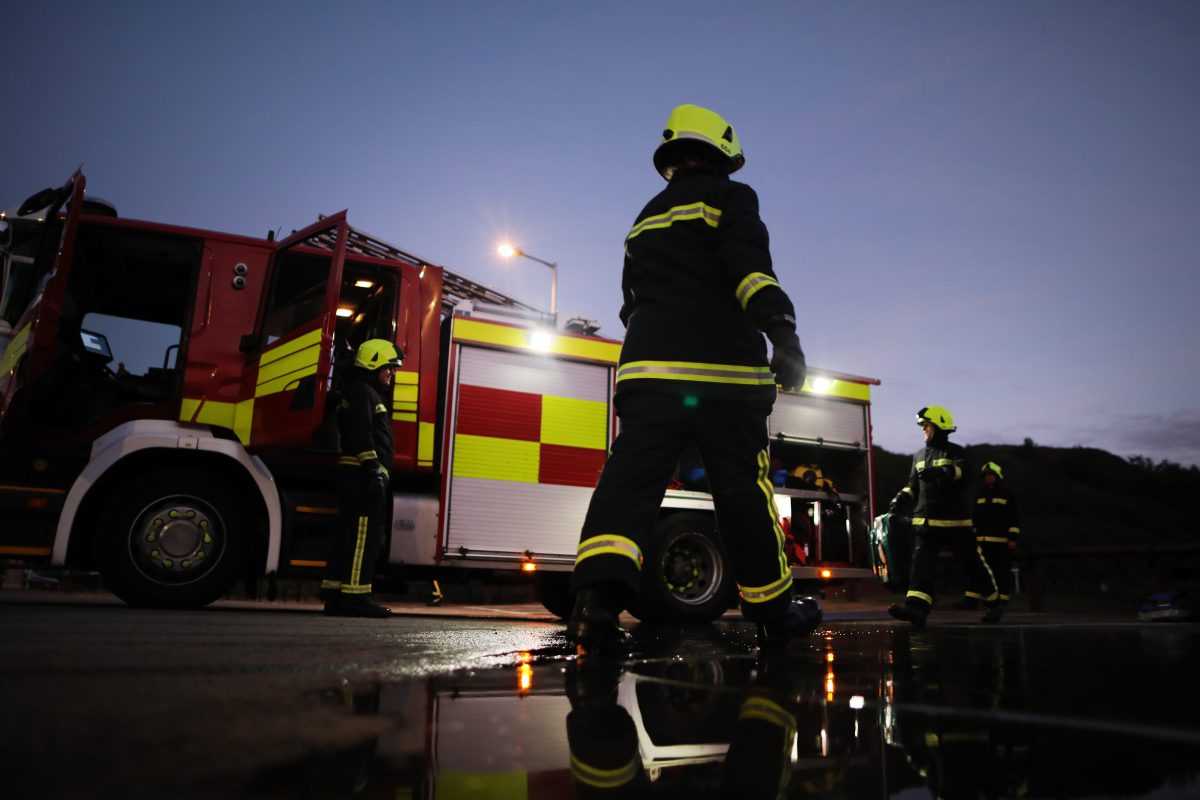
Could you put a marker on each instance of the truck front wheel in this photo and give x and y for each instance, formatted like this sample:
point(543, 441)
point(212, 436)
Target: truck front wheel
point(685, 577)
point(172, 539)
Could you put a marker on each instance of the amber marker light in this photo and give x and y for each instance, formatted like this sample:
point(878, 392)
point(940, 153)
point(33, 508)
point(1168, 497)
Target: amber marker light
point(826, 573)
point(528, 566)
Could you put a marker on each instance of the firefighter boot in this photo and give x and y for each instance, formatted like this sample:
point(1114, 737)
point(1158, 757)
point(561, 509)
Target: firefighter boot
point(994, 612)
point(356, 606)
point(801, 618)
point(909, 613)
point(592, 625)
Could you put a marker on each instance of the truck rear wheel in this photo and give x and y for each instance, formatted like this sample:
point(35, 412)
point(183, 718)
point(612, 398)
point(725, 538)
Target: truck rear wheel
point(172, 539)
point(685, 576)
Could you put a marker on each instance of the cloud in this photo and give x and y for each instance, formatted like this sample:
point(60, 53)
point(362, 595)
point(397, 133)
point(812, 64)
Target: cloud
point(1172, 436)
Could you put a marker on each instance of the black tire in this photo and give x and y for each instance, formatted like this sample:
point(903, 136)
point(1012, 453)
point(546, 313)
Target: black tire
point(178, 538)
point(686, 575)
point(552, 590)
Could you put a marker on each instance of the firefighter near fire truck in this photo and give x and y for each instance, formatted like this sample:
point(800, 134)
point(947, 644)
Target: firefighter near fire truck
point(936, 493)
point(364, 420)
point(699, 292)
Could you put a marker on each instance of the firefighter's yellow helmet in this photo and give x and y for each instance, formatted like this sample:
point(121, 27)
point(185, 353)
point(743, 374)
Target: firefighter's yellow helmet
point(688, 123)
point(993, 468)
point(941, 418)
point(375, 353)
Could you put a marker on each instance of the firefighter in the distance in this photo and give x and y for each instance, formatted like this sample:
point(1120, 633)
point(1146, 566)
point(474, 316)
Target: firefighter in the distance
point(937, 488)
point(996, 531)
point(364, 418)
point(699, 293)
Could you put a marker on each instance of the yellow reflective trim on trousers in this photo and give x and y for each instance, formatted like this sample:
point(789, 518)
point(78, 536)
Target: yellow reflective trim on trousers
point(349, 460)
point(1000, 539)
point(751, 284)
point(1014, 531)
point(367, 455)
point(360, 542)
point(761, 594)
point(701, 211)
point(609, 543)
point(604, 778)
point(768, 711)
point(919, 596)
point(768, 489)
point(942, 523)
point(695, 371)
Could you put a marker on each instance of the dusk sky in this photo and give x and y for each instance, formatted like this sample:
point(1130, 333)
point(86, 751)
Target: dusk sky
point(991, 206)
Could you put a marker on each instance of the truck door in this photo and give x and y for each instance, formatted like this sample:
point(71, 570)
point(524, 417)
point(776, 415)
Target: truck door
point(291, 352)
point(32, 294)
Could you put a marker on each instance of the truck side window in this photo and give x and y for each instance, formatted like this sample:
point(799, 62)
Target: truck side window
point(297, 293)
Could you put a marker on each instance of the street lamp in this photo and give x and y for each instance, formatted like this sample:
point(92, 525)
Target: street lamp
point(508, 251)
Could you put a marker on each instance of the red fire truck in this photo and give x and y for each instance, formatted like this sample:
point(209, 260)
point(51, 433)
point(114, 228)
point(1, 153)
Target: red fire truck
point(164, 418)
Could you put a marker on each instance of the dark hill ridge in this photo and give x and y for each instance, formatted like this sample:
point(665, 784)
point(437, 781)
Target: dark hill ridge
point(1077, 495)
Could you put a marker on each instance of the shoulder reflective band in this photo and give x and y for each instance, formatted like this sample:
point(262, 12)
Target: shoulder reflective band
point(751, 284)
point(688, 371)
point(942, 523)
point(768, 711)
point(702, 211)
point(616, 545)
point(604, 778)
point(761, 594)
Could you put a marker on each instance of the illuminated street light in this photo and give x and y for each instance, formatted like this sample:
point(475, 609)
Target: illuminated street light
point(508, 251)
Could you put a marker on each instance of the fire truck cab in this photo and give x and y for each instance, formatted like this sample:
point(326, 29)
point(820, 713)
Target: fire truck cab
point(165, 417)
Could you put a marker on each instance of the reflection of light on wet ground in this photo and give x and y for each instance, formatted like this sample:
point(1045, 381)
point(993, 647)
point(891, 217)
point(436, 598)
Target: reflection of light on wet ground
point(964, 712)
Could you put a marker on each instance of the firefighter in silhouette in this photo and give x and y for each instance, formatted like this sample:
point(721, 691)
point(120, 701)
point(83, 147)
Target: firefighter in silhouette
point(937, 488)
point(699, 293)
point(364, 417)
point(996, 532)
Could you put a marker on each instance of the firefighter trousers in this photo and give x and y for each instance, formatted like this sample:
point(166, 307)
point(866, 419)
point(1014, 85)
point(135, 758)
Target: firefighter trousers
point(359, 537)
point(929, 542)
point(731, 436)
point(999, 558)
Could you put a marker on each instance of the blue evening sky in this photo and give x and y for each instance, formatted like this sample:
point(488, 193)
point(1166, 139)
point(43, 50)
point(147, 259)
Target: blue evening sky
point(991, 206)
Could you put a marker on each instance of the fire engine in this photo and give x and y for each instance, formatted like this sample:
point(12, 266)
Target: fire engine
point(165, 418)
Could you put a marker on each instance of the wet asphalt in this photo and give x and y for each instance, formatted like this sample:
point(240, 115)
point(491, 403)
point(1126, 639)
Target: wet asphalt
point(268, 700)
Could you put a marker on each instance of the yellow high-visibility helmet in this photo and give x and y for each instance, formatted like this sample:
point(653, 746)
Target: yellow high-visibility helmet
point(941, 418)
point(688, 123)
point(375, 353)
point(993, 468)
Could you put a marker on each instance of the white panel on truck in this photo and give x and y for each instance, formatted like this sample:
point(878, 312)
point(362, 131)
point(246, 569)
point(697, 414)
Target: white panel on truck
point(807, 417)
point(528, 437)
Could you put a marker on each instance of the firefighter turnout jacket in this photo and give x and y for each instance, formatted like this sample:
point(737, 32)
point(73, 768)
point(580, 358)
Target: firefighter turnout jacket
point(936, 484)
point(699, 290)
point(996, 515)
point(365, 424)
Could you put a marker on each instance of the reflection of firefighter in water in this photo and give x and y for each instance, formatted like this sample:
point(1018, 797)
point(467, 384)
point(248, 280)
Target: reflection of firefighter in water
point(944, 703)
point(783, 698)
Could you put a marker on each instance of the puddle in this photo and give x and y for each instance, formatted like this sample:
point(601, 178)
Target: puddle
point(867, 712)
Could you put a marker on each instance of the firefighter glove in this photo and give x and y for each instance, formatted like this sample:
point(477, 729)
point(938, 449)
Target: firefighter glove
point(787, 359)
point(941, 474)
point(377, 481)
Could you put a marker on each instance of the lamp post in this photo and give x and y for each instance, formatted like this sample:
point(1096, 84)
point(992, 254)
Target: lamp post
point(508, 251)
